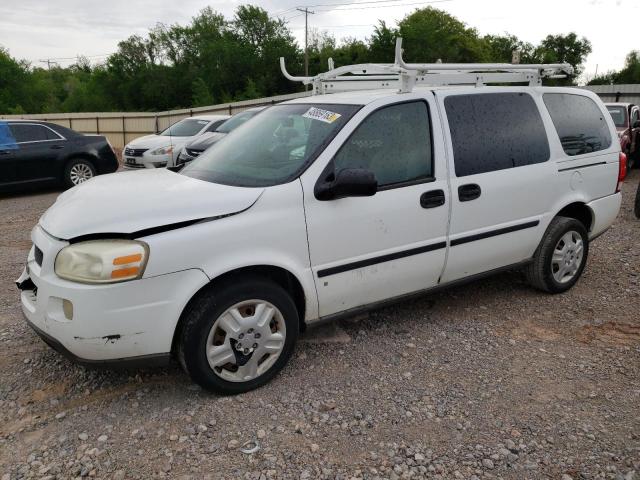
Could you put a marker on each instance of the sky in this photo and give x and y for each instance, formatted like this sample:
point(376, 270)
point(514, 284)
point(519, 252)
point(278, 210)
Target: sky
point(37, 30)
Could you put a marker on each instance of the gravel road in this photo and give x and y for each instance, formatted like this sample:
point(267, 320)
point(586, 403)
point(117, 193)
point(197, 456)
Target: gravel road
point(488, 380)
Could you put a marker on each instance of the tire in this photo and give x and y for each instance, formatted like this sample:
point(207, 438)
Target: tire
point(78, 171)
point(208, 326)
point(544, 271)
point(637, 202)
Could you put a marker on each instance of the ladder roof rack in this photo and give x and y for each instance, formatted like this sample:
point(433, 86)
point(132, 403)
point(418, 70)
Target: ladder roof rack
point(404, 76)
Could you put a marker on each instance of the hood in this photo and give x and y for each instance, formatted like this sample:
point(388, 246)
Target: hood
point(205, 140)
point(128, 202)
point(157, 141)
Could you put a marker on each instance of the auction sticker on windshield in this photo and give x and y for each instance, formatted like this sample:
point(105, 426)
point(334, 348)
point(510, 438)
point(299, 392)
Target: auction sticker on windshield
point(322, 115)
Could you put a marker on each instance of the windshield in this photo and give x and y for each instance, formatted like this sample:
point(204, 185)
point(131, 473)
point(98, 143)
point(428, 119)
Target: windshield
point(619, 115)
point(273, 147)
point(237, 120)
point(185, 128)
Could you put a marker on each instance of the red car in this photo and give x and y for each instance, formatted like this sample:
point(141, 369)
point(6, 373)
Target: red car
point(626, 116)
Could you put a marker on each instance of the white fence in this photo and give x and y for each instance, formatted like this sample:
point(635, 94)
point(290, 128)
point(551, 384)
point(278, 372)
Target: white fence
point(122, 127)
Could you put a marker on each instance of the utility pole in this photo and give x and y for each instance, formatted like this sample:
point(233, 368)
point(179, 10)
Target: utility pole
point(306, 12)
point(48, 62)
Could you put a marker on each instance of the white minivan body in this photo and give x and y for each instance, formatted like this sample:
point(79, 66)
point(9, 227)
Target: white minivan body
point(324, 236)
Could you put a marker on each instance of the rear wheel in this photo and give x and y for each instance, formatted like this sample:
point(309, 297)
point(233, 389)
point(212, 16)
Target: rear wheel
point(78, 171)
point(560, 257)
point(238, 337)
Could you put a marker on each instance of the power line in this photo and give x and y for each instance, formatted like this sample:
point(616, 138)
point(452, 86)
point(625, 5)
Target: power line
point(363, 3)
point(382, 6)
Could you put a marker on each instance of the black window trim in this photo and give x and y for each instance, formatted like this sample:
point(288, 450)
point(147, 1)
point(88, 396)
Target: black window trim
point(612, 143)
point(60, 137)
point(544, 127)
point(330, 167)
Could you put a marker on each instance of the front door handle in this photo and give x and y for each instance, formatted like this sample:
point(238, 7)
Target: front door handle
point(5, 152)
point(469, 192)
point(432, 199)
point(57, 147)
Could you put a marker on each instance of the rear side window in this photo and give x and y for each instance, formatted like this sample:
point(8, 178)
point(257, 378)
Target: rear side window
point(495, 131)
point(30, 133)
point(579, 122)
point(393, 142)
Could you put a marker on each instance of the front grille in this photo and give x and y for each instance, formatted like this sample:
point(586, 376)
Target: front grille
point(38, 255)
point(134, 152)
point(193, 153)
point(134, 165)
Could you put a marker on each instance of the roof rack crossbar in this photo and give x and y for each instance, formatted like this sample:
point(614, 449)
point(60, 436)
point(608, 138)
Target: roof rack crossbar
point(405, 76)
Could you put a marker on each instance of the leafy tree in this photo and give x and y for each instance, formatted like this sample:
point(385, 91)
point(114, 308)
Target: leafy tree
point(382, 43)
point(564, 48)
point(201, 95)
point(212, 58)
point(430, 34)
point(630, 73)
point(501, 48)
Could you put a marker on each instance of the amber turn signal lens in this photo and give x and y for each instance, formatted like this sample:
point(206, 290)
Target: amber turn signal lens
point(125, 272)
point(127, 259)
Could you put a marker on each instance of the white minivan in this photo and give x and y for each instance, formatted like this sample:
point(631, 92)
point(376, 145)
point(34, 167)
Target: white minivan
point(318, 208)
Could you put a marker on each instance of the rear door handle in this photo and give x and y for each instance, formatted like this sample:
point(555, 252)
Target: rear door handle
point(5, 152)
point(57, 147)
point(432, 199)
point(469, 192)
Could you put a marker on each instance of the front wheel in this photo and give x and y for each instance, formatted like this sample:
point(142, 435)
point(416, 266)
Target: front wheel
point(238, 337)
point(560, 257)
point(78, 171)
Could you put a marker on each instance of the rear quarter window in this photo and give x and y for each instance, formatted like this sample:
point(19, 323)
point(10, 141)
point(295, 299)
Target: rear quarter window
point(580, 123)
point(495, 131)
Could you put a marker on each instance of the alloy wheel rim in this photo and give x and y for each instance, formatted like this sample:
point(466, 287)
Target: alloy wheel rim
point(246, 340)
point(80, 172)
point(567, 257)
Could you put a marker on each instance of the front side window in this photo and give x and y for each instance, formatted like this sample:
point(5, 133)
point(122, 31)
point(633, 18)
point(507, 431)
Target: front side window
point(495, 131)
point(185, 128)
point(273, 147)
point(579, 122)
point(393, 142)
point(24, 133)
point(619, 115)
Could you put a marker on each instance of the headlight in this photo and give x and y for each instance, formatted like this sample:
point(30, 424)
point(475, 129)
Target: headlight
point(162, 150)
point(102, 261)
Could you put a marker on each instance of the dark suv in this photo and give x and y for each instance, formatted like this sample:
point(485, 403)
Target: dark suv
point(43, 153)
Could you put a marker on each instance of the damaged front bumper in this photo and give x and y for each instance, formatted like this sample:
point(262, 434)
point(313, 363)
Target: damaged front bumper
point(129, 323)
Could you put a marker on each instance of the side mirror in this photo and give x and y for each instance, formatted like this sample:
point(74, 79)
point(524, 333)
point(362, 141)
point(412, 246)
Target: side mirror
point(350, 182)
point(636, 124)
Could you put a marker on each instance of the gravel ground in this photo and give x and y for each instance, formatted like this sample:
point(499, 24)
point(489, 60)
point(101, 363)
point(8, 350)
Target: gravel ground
point(488, 380)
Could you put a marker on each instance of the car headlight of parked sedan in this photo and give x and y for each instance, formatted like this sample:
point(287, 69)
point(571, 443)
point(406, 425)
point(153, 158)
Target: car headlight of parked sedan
point(162, 150)
point(102, 261)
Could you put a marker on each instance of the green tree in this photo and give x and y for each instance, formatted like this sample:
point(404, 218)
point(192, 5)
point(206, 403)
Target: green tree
point(630, 73)
point(564, 49)
point(430, 34)
point(201, 95)
point(382, 43)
